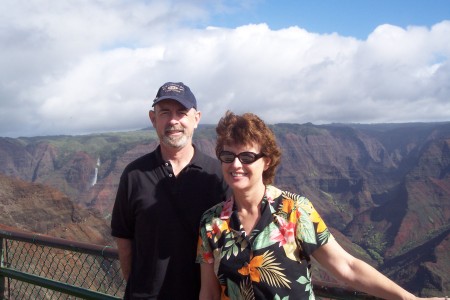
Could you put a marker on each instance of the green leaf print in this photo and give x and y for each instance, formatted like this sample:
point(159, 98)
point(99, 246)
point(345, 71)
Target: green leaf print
point(306, 281)
point(307, 233)
point(323, 237)
point(229, 244)
point(235, 250)
point(263, 239)
point(233, 290)
point(303, 280)
point(233, 243)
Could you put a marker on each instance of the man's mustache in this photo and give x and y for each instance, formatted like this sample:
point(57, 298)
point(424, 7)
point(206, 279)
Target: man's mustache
point(174, 128)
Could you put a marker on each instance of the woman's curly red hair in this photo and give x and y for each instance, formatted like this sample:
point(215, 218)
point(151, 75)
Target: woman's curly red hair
point(245, 130)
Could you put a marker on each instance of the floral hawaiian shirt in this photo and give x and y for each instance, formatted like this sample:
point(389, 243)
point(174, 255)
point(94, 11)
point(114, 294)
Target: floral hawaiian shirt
point(273, 261)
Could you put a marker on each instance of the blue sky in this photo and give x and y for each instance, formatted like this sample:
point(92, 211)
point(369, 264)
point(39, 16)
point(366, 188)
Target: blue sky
point(346, 17)
point(77, 67)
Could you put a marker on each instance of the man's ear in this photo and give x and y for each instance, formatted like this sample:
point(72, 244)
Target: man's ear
point(152, 117)
point(198, 115)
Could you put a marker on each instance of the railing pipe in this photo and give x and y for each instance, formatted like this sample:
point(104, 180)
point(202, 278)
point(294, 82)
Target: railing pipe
point(7, 273)
point(45, 240)
point(55, 285)
point(334, 291)
point(2, 278)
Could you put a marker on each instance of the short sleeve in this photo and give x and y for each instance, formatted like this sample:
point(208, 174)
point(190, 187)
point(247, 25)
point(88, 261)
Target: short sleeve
point(204, 251)
point(311, 230)
point(120, 221)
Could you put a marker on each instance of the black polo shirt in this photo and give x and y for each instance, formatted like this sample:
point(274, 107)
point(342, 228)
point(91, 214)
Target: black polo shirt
point(160, 213)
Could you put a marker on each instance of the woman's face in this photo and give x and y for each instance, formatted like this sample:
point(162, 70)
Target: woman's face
point(241, 176)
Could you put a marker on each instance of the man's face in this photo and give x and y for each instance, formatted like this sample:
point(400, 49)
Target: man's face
point(174, 123)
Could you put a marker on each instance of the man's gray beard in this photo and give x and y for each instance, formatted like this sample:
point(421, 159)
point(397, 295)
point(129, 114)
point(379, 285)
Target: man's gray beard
point(175, 142)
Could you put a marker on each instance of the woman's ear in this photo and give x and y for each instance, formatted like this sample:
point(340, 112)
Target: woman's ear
point(267, 162)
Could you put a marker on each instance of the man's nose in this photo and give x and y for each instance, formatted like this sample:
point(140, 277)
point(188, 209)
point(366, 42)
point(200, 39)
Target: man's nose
point(174, 119)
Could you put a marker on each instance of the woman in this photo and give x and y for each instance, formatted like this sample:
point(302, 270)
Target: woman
point(258, 244)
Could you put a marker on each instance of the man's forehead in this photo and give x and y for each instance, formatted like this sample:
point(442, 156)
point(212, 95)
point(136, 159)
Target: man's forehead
point(168, 103)
point(171, 105)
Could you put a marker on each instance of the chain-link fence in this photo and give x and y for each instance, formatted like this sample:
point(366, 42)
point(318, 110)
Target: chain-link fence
point(34, 266)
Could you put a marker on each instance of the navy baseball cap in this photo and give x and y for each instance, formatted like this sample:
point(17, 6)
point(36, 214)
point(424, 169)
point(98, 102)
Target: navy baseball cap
point(176, 91)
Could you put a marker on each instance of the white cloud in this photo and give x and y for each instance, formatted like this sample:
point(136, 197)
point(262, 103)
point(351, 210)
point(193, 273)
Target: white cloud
point(84, 66)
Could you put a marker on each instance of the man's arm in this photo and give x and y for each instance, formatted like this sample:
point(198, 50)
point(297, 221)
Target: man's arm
point(125, 256)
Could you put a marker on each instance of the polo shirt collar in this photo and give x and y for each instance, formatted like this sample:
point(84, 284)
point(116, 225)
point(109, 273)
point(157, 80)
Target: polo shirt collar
point(195, 161)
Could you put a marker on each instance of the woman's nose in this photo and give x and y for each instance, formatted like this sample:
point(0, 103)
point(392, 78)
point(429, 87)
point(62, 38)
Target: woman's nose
point(236, 162)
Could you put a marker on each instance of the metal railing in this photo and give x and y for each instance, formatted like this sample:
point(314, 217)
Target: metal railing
point(36, 266)
point(327, 290)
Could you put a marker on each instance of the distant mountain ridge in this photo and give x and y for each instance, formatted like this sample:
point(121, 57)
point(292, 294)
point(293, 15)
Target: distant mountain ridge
point(384, 187)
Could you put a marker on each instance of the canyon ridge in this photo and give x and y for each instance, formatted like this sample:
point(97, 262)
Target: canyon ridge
point(383, 189)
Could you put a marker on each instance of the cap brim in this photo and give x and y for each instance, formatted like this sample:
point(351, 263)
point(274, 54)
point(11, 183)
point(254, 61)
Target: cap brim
point(186, 104)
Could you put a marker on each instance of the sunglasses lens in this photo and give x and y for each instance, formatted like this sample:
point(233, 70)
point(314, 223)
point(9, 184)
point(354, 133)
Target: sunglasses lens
point(226, 157)
point(247, 157)
point(244, 157)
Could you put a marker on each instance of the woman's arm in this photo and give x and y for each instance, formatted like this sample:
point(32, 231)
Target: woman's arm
point(210, 287)
point(358, 274)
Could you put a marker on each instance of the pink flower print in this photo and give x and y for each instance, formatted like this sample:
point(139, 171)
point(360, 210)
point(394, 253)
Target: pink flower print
point(285, 232)
point(227, 209)
point(216, 228)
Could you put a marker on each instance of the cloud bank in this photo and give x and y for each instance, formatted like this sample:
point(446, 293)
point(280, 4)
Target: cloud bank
point(73, 67)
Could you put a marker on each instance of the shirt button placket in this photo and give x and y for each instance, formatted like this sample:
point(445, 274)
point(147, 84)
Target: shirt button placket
point(168, 167)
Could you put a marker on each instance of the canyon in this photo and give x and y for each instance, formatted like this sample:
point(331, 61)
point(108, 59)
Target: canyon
point(383, 189)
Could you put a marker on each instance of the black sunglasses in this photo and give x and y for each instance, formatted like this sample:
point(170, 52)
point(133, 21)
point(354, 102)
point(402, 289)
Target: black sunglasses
point(244, 157)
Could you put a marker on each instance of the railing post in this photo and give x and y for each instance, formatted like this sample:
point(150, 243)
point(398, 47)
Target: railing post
point(2, 278)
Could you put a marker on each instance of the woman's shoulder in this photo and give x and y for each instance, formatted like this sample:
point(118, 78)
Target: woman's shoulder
point(221, 210)
point(275, 192)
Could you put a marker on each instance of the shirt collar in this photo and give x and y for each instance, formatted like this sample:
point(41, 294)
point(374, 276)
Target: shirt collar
point(229, 205)
point(195, 161)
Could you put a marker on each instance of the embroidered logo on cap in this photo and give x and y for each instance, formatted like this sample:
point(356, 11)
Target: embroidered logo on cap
point(174, 88)
point(176, 91)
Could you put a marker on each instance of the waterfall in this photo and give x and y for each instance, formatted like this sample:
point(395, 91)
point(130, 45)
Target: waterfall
point(94, 180)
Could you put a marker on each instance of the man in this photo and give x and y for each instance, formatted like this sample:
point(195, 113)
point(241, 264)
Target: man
point(160, 200)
